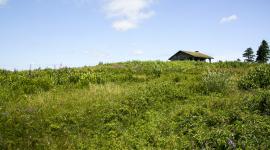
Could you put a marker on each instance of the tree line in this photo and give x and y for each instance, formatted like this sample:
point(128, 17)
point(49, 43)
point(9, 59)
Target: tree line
point(263, 53)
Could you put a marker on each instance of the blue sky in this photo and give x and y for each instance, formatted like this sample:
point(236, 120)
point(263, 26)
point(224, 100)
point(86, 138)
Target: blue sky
point(47, 33)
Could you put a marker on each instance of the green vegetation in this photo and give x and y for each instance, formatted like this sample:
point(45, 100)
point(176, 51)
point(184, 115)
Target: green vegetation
point(258, 77)
point(263, 53)
point(137, 105)
point(249, 55)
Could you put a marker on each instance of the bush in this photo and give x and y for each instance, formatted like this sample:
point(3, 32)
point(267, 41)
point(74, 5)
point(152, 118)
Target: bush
point(217, 82)
point(264, 104)
point(31, 86)
point(74, 78)
point(259, 77)
point(94, 78)
point(260, 103)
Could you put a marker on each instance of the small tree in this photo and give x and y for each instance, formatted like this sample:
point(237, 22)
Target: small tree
point(263, 53)
point(249, 55)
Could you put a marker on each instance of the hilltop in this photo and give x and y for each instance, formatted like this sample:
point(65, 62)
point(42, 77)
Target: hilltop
point(137, 105)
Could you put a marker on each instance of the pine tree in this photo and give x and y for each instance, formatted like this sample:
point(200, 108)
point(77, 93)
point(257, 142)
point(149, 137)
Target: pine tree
point(249, 55)
point(263, 53)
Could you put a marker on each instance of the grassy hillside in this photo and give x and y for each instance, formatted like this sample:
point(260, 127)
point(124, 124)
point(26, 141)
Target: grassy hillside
point(137, 105)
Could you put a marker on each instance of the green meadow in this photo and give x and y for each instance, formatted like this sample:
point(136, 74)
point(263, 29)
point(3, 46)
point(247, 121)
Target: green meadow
point(137, 105)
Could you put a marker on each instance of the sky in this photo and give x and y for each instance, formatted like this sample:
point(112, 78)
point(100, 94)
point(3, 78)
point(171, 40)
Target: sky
point(74, 33)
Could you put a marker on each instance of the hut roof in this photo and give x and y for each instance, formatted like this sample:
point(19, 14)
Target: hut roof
point(196, 54)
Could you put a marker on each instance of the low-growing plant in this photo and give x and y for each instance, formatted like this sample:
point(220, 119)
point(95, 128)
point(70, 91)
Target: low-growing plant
point(264, 104)
point(260, 102)
point(258, 77)
point(217, 82)
point(157, 72)
point(74, 78)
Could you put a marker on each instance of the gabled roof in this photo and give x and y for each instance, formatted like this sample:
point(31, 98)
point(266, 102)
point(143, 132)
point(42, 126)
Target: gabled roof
point(195, 54)
point(198, 54)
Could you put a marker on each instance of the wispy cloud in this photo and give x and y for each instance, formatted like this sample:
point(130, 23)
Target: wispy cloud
point(128, 14)
point(3, 2)
point(229, 19)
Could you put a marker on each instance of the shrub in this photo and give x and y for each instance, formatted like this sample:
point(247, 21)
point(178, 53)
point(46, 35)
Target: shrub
point(157, 72)
point(176, 79)
point(217, 82)
point(85, 79)
point(94, 78)
point(260, 103)
point(264, 104)
point(43, 84)
point(258, 77)
point(74, 78)
point(31, 86)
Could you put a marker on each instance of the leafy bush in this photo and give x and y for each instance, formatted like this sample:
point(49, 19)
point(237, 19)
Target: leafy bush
point(217, 82)
point(74, 78)
point(260, 103)
point(264, 104)
point(94, 78)
point(157, 72)
point(258, 77)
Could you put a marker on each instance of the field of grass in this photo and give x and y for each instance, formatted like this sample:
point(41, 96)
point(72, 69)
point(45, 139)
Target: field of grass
point(137, 105)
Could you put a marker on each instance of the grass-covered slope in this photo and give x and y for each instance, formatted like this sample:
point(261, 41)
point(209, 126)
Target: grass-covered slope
point(137, 105)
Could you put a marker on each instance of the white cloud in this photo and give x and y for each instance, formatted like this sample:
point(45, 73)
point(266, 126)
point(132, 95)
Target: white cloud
point(137, 52)
point(128, 14)
point(229, 19)
point(3, 2)
point(124, 25)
